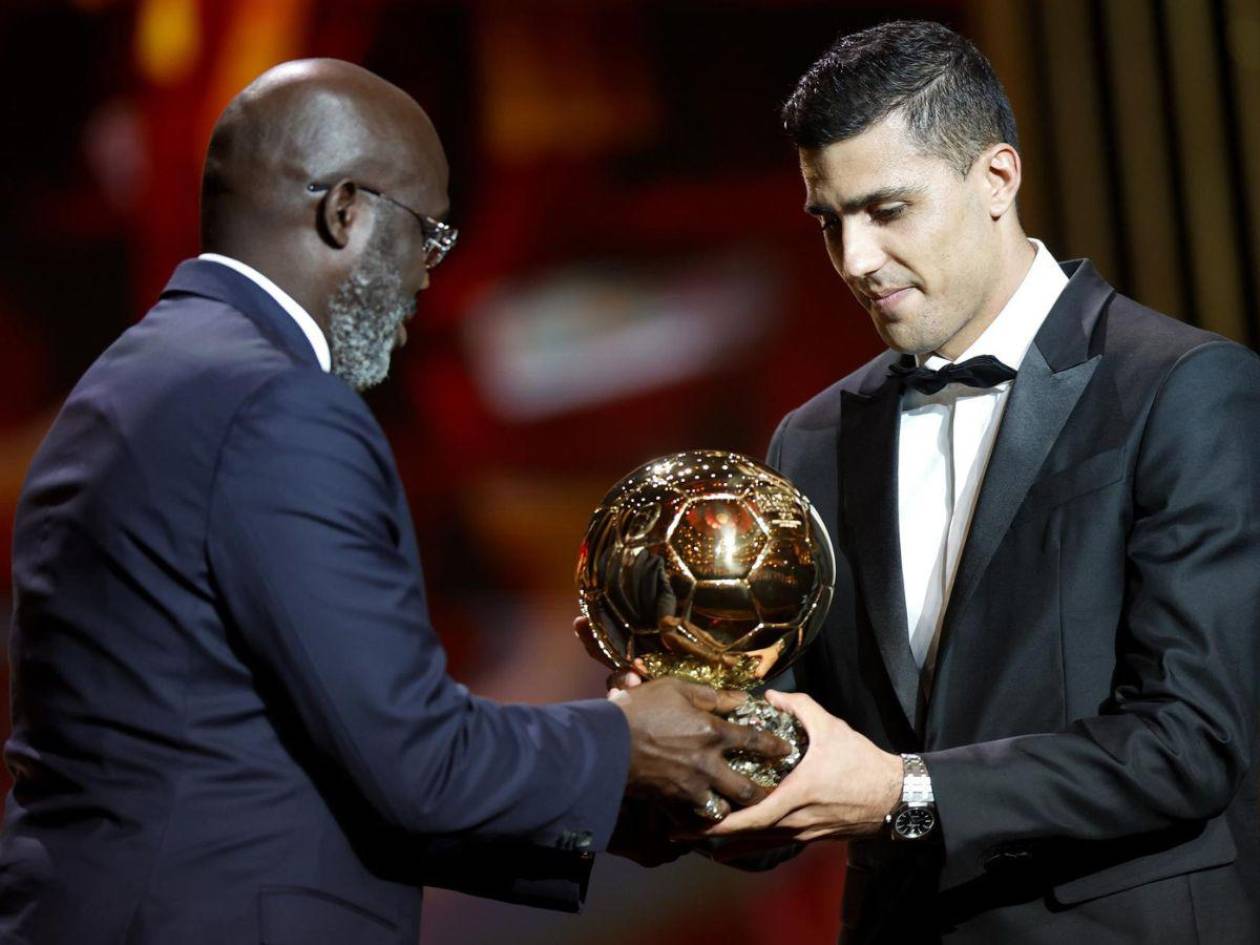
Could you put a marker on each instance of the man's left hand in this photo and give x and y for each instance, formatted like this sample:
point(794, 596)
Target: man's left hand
point(843, 788)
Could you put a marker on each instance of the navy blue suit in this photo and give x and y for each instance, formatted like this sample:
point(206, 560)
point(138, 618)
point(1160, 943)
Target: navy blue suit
point(232, 721)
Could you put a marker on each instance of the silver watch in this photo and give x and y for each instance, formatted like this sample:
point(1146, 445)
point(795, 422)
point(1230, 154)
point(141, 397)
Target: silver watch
point(915, 816)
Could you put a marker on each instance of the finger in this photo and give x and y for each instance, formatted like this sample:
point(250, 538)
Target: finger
point(702, 697)
point(722, 808)
point(735, 786)
point(787, 701)
point(697, 794)
point(807, 711)
point(728, 700)
point(676, 642)
point(754, 740)
point(798, 703)
point(755, 819)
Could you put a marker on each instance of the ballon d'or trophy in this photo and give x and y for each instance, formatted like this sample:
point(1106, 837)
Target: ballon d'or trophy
point(712, 567)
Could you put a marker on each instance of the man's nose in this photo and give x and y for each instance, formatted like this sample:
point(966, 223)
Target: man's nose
point(860, 252)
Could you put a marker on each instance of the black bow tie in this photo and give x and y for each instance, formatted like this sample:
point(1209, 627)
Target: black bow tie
point(984, 371)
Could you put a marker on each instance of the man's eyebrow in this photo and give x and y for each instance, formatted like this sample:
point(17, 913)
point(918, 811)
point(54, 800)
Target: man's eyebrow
point(857, 204)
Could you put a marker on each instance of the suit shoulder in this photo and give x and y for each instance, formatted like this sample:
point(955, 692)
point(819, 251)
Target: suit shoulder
point(823, 409)
point(1145, 353)
point(314, 395)
point(310, 415)
point(177, 378)
point(1148, 340)
point(206, 350)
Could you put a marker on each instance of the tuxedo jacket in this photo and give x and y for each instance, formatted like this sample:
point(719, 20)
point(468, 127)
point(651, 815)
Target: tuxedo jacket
point(231, 717)
point(1091, 728)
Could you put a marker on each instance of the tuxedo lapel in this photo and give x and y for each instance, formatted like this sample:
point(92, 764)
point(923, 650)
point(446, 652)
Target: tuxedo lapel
point(1039, 405)
point(1051, 379)
point(869, 427)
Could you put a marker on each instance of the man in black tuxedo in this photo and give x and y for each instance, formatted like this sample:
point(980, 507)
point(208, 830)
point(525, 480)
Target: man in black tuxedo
point(1045, 642)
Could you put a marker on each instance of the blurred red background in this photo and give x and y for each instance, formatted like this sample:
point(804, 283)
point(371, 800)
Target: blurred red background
point(634, 277)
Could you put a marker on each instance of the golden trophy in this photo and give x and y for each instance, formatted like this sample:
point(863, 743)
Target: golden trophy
point(712, 567)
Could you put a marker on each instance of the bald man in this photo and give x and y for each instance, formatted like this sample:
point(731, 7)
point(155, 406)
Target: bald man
point(232, 721)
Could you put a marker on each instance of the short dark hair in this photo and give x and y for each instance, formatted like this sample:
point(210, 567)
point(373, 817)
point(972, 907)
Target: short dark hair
point(953, 102)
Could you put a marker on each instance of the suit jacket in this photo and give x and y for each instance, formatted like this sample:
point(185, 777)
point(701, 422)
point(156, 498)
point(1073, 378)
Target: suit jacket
point(1091, 728)
point(231, 718)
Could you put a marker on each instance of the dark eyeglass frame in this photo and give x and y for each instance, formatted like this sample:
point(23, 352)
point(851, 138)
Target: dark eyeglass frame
point(439, 237)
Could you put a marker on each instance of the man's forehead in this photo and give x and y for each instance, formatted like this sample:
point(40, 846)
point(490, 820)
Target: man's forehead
point(855, 189)
point(869, 164)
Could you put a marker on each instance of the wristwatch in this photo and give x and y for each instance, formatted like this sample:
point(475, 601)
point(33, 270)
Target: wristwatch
point(915, 817)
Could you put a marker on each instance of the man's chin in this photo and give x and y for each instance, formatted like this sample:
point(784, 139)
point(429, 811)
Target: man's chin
point(902, 338)
point(911, 336)
point(361, 376)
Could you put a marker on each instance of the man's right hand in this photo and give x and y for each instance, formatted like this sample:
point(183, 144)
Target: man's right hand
point(677, 744)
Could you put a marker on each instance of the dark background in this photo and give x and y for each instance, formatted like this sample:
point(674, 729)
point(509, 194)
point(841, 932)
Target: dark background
point(634, 276)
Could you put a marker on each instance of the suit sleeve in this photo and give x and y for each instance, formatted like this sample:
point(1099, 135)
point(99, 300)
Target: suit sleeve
point(1174, 741)
point(306, 551)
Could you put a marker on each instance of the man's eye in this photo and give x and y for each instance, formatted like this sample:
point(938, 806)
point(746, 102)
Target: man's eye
point(885, 214)
point(828, 223)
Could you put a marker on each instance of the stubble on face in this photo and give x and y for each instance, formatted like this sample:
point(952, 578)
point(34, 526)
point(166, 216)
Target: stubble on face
point(366, 312)
point(909, 235)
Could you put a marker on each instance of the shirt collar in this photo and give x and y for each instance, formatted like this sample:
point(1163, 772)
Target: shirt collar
point(1009, 335)
point(285, 301)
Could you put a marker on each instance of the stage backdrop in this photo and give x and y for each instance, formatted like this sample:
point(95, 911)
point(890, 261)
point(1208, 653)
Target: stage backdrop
point(635, 275)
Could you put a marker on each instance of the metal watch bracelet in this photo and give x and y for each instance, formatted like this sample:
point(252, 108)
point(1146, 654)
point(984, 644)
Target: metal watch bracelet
point(915, 817)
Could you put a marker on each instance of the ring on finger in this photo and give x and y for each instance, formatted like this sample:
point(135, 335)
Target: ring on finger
point(713, 809)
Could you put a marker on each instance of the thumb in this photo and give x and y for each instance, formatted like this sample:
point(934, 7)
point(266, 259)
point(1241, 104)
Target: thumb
point(810, 713)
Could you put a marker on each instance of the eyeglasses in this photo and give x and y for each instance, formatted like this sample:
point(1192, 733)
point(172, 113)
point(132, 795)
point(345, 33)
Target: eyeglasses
point(439, 237)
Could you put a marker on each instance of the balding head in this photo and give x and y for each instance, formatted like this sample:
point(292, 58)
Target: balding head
point(293, 169)
point(317, 120)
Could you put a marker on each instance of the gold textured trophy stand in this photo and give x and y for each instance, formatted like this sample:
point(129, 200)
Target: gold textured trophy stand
point(739, 674)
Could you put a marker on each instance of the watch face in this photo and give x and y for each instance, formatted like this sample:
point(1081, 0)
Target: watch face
point(913, 822)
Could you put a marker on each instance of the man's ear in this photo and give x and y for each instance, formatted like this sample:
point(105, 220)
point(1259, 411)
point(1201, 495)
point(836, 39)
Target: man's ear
point(338, 212)
point(1002, 172)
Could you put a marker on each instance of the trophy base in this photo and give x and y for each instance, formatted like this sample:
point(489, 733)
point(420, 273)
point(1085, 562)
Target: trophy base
point(759, 713)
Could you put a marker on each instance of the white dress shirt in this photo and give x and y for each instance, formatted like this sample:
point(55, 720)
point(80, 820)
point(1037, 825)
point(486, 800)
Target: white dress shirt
point(285, 301)
point(944, 446)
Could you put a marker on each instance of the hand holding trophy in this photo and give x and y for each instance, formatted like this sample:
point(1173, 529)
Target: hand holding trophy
point(710, 567)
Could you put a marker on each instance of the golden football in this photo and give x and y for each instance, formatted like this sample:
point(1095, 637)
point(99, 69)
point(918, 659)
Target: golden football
point(707, 565)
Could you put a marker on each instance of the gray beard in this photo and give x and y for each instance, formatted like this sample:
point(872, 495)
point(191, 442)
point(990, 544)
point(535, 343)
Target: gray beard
point(364, 314)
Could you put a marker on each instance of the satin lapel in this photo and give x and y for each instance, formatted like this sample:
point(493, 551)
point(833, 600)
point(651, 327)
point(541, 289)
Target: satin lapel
point(1041, 401)
point(869, 430)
